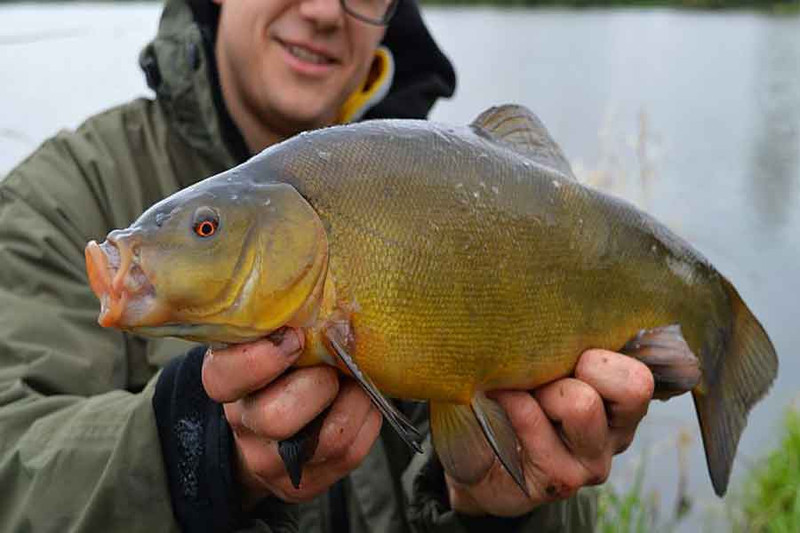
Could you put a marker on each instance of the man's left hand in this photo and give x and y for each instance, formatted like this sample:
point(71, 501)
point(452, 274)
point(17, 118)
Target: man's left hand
point(568, 431)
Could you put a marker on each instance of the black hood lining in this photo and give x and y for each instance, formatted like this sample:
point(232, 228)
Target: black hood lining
point(206, 15)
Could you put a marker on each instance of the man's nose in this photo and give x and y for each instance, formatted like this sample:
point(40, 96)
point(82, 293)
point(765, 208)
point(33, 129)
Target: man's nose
point(324, 13)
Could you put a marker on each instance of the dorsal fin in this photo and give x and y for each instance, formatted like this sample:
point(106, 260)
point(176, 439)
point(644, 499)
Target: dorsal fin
point(516, 126)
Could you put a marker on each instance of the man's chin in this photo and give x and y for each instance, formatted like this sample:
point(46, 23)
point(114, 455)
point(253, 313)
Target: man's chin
point(298, 116)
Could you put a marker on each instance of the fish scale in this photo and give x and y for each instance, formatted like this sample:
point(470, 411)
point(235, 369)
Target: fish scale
point(418, 321)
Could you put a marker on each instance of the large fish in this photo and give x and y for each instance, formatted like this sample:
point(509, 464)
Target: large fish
point(437, 263)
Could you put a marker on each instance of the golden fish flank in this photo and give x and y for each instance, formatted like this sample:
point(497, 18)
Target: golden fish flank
point(437, 263)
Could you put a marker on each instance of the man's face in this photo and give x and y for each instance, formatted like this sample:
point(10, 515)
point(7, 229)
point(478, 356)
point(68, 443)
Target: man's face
point(290, 64)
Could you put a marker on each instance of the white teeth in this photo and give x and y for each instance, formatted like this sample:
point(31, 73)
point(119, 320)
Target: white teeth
point(307, 55)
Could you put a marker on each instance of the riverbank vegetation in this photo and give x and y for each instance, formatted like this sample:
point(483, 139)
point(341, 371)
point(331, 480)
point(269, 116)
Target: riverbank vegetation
point(766, 500)
point(769, 499)
point(632, 508)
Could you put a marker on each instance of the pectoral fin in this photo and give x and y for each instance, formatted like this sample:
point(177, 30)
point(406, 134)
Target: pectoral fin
point(664, 350)
point(300, 447)
point(404, 428)
point(469, 437)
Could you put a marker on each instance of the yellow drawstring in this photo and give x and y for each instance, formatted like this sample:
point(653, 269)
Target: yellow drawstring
point(372, 90)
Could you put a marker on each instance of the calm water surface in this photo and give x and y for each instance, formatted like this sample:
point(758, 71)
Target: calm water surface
point(696, 117)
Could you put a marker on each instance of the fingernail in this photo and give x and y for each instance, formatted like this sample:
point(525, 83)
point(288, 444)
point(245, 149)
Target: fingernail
point(289, 342)
point(276, 337)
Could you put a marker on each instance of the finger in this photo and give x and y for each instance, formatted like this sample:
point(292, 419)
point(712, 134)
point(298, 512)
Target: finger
point(259, 460)
point(462, 499)
point(579, 409)
point(282, 408)
point(231, 373)
point(319, 477)
point(343, 422)
point(551, 470)
point(330, 471)
point(625, 384)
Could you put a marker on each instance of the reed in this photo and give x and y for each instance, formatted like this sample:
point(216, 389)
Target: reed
point(769, 499)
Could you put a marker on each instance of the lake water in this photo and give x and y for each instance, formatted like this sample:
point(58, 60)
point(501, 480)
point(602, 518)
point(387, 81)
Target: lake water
point(694, 116)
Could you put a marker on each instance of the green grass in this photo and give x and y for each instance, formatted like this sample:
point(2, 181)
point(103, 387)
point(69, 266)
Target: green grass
point(634, 510)
point(627, 511)
point(769, 499)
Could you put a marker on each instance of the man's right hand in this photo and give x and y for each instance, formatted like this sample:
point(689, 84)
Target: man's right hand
point(264, 403)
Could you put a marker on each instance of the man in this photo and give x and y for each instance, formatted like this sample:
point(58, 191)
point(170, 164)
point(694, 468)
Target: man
point(93, 437)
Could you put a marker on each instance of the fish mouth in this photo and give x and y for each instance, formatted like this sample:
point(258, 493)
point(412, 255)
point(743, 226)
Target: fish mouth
point(127, 298)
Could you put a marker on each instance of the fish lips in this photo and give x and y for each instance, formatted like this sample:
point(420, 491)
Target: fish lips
point(127, 298)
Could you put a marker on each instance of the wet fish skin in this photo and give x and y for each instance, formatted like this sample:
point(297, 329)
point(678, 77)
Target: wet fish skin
point(455, 261)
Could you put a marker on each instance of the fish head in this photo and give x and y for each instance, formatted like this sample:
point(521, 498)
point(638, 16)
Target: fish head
point(217, 262)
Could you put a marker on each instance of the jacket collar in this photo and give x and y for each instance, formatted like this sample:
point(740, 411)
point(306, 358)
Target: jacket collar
point(179, 66)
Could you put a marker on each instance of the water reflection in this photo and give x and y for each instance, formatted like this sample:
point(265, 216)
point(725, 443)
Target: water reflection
point(775, 162)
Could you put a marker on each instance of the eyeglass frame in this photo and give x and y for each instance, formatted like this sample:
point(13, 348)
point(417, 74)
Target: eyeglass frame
point(384, 21)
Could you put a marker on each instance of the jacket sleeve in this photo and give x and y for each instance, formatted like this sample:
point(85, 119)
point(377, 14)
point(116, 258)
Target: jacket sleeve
point(79, 447)
point(92, 436)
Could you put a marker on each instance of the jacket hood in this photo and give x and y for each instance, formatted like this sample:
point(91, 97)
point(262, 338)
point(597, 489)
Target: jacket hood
point(179, 66)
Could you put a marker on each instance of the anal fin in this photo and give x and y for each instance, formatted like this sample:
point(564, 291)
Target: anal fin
point(664, 350)
point(404, 428)
point(467, 439)
point(459, 441)
point(500, 433)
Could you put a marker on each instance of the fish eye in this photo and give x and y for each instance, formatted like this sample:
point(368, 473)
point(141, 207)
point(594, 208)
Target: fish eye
point(205, 222)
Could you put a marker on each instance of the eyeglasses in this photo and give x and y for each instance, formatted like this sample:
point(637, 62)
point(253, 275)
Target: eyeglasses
point(377, 12)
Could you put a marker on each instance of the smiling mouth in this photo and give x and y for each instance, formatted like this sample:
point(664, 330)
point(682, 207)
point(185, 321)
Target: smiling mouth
point(304, 54)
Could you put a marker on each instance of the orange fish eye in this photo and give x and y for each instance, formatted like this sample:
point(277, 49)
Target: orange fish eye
point(206, 222)
point(205, 228)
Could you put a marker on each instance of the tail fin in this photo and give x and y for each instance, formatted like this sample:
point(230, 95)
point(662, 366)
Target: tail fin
point(737, 372)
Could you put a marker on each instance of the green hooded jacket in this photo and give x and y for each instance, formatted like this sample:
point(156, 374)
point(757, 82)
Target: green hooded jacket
point(80, 445)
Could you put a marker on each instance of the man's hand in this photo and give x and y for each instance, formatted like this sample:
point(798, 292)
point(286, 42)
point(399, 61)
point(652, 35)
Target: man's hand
point(265, 404)
point(568, 431)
